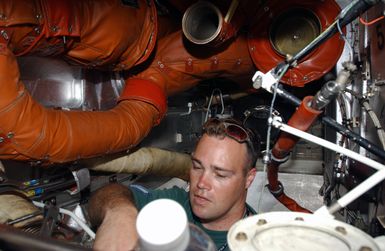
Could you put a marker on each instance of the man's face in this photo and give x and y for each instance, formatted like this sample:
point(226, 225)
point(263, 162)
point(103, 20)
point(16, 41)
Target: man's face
point(218, 184)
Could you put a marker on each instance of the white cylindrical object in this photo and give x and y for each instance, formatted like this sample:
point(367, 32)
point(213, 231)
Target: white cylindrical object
point(327, 144)
point(162, 226)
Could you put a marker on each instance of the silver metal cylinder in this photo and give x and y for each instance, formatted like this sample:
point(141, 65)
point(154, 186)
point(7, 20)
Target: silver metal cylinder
point(202, 22)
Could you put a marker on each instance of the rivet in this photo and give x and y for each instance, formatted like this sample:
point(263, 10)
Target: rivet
point(342, 230)
point(261, 222)
point(241, 236)
point(160, 64)
point(299, 219)
point(54, 28)
point(37, 30)
point(38, 16)
point(10, 135)
point(4, 34)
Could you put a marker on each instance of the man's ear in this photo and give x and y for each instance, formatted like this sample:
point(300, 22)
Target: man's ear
point(250, 177)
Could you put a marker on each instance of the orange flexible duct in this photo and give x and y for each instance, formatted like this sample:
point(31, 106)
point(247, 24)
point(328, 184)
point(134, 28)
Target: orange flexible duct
point(302, 119)
point(108, 34)
point(32, 132)
point(93, 33)
point(179, 65)
point(29, 131)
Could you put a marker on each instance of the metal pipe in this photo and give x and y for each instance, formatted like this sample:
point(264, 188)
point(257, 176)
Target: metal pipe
point(332, 89)
point(357, 191)
point(203, 23)
point(319, 141)
point(356, 138)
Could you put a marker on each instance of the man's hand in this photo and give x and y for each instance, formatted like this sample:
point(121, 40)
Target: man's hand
point(113, 210)
point(118, 230)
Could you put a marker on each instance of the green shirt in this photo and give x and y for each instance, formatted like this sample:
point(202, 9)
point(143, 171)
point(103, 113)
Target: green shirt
point(142, 197)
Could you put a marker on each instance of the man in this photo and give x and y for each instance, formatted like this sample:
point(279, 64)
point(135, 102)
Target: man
point(222, 171)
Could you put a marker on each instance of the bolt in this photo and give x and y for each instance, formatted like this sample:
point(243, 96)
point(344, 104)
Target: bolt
point(266, 158)
point(299, 219)
point(10, 135)
point(241, 236)
point(342, 230)
point(258, 82)
point(261, 222)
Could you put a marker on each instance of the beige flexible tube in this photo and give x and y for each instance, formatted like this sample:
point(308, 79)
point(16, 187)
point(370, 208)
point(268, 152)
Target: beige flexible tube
point(149, 160)
point(13, 207)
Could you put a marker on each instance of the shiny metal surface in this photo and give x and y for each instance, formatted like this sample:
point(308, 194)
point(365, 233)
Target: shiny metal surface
point(54, 83)
point(293, 30)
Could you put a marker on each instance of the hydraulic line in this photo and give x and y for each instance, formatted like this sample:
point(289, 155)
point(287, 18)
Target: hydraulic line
point(336, 126)
point(302, 119)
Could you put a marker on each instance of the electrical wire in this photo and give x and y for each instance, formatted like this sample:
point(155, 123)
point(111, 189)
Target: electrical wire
point(81, 223)
point(367, 23)
point(342, 35)
point(267, 157)
point(372, 115)
point(210, 101)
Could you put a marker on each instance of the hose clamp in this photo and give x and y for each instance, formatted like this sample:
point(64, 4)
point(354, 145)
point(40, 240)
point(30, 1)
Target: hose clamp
point(278, 192)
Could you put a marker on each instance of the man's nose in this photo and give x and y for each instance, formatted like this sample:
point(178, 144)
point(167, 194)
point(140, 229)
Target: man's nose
point(204, 181)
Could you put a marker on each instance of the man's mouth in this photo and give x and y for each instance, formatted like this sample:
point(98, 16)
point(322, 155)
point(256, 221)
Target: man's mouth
point(200, 200)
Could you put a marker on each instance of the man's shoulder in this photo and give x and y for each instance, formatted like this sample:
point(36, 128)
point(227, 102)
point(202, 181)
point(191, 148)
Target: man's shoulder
point(143, 196)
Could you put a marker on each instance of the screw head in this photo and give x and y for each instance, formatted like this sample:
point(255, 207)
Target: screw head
point(261, 222)
point(342, 230)
point(241, 236)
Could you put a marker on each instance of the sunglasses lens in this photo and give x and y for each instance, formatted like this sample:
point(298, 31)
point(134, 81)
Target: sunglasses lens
point(236, 132)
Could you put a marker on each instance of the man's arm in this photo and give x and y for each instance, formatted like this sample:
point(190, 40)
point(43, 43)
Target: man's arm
point(112, 209)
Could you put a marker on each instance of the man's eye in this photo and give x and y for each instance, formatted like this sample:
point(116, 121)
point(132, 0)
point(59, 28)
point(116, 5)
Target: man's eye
point(219, 175)
point(197, 167)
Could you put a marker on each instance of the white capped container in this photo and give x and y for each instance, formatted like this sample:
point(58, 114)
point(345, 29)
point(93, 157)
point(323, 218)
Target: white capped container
point(162, 225)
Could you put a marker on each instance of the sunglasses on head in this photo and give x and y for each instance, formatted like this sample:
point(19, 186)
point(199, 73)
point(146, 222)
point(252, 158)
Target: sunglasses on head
point(233, 130)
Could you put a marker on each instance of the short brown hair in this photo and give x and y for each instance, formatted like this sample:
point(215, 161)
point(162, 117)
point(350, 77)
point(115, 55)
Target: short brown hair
point(220, 128)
